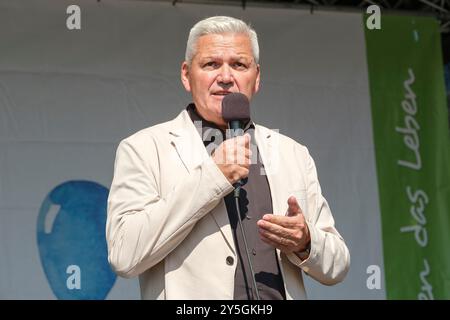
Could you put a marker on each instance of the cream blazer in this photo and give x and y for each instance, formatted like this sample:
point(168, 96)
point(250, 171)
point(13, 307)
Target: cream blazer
point(167, 221)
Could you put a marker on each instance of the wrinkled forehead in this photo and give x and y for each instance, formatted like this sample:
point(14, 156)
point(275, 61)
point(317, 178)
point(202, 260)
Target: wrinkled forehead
point(224, 44)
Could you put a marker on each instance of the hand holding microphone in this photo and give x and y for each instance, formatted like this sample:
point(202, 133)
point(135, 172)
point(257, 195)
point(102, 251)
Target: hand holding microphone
point(233, 155)
point(233, 158)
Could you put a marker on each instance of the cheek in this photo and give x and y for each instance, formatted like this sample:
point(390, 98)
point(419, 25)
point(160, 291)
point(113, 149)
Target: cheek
point(248, 84)
point(204, 82)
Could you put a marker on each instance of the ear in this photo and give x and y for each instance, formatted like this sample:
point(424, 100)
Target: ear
point(257, 79)
point(185, 76)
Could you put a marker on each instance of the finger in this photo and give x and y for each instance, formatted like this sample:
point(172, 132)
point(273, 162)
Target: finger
point(248, 156)
point(243, 140)
point(248, 152)
point(277, 240)
point(276, 229)
point(293, 222)
point(248, 161)
point(244, 162)
point(294, 207)
point(273, 244)
point(245, 172)
point(247, 138)
point(235, 147)
point(219, 154)
point(242, 151)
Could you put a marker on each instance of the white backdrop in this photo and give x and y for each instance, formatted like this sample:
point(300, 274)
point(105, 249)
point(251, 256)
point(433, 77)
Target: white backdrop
point(68, 97)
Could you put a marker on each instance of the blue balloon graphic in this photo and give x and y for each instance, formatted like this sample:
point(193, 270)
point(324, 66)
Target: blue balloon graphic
point(71, 241)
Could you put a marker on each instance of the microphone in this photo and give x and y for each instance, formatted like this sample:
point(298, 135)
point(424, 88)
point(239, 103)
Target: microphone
point(236, 111)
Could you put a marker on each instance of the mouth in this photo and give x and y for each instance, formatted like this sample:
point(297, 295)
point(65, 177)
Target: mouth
point(221, 93)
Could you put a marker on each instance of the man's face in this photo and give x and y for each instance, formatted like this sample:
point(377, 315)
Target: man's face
point(223, 64)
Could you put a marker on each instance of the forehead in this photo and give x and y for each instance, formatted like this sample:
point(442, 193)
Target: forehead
point(225, 43)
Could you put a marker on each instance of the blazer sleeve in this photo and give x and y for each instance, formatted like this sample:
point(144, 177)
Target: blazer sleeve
point(329, 258)
point(142, 227)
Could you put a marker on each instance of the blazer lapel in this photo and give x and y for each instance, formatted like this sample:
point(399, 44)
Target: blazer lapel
point(269, 149)
point(187, 142)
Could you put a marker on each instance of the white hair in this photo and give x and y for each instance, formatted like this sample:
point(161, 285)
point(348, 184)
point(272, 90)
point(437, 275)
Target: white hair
point(219, 25)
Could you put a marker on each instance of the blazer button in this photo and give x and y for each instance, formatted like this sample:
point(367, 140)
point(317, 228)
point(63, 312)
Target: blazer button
point(230, 260)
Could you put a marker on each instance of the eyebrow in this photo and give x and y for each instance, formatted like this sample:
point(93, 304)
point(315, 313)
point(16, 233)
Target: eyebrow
point(237, 57)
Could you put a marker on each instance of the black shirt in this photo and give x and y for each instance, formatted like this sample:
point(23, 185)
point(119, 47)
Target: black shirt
point(254, 201)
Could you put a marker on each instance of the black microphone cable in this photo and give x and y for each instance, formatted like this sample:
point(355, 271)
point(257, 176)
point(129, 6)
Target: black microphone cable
point(238, 211)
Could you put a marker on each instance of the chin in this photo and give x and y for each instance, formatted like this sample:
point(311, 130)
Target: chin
point(216, 109)
point(218, 119)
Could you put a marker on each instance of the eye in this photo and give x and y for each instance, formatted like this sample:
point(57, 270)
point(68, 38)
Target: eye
point(210, 65)
point(239, 66)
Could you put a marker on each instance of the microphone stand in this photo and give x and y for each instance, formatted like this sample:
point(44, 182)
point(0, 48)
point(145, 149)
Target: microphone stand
point(237, 190)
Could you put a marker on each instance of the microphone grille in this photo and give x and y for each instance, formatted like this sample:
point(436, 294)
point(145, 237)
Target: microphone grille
point(235, 106)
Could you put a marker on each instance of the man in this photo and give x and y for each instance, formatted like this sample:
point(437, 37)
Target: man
point(171, 216)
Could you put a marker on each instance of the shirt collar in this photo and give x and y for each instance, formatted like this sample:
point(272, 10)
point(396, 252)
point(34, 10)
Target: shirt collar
point(207, 125)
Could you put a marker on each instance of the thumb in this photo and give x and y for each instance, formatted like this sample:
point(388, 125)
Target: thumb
point(247, 139)
point(294, 207)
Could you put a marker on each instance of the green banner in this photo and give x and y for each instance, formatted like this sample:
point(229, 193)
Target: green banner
point(411, 135)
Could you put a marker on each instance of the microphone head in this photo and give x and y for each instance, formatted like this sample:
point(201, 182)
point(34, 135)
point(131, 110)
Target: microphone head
point(235, 106)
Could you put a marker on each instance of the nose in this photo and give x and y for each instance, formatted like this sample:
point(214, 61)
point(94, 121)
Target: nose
point(225, 77)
